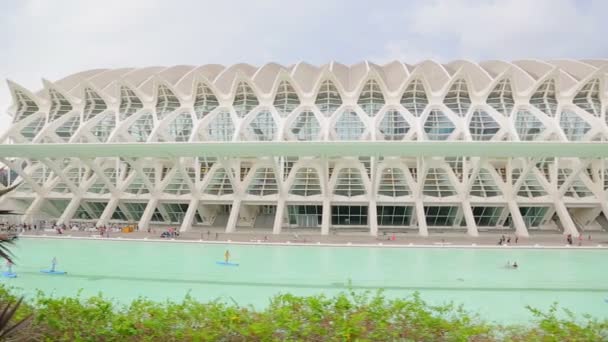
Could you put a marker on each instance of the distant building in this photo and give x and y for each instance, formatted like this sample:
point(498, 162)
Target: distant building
point(559, 101)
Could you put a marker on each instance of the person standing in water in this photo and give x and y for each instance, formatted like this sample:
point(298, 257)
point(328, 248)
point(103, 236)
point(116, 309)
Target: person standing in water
point(53, 264)
point(227, 256)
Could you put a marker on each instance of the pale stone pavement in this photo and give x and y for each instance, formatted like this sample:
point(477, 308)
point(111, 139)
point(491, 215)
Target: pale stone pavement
point(544, 239)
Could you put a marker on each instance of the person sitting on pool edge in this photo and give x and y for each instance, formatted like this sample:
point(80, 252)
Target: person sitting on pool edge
point(227, 256)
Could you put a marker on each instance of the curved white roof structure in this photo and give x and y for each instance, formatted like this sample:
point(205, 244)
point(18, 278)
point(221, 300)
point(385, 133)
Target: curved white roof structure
point(474, 146)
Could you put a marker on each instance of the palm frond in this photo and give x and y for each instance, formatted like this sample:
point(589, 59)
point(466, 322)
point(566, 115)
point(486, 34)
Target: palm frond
point(6, 316)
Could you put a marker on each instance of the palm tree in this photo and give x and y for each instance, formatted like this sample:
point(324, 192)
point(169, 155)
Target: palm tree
point(8, 326)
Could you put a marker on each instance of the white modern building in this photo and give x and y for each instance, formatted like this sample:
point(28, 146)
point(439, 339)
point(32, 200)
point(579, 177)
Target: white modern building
point(471, 147)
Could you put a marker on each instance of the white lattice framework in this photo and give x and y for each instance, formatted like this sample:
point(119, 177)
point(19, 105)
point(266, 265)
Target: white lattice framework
point(494, 101)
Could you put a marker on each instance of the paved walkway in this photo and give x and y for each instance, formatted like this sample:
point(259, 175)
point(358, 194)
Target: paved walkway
point(485, 239)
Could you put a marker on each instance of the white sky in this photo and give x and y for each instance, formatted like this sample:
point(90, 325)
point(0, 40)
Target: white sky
point(54, 38)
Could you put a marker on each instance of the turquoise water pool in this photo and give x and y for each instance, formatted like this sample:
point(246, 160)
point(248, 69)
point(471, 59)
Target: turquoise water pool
point(477, 278)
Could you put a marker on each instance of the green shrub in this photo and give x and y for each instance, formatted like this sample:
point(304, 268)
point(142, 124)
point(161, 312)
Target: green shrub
point(346, 317)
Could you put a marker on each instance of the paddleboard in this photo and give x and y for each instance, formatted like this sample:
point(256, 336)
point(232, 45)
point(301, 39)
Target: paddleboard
point(224, 263)
point(53, 272)
point(9, 274)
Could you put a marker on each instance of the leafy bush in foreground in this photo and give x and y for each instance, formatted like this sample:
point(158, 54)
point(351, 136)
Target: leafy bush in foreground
point(346, 317)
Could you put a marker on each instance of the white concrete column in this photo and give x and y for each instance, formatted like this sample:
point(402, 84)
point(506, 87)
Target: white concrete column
point(278, 218)
point(28, 216)
point(234, 216)
point(517, 220)
point(565, 219)
point(70, 210)
point(189, 215)
point(604, 206)
point(144, 221)
point(326, 218)
point(467, 211)
point(372, 216)
point(421, 218)
point(107, 212)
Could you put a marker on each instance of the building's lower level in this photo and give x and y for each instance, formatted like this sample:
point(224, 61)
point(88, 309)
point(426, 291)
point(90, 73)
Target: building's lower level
point(374, 194)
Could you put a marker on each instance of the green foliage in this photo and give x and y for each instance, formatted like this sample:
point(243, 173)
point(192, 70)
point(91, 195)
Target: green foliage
point(351, 316)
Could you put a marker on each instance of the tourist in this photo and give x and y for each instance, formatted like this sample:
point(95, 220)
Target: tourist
point(227, 256)
point(217, 235)
point(516, 238)
point(509, 239)
point(589, 237)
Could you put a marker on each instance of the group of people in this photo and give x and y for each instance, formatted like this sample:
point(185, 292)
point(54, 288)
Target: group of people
point(504, 240)
point(511, 265)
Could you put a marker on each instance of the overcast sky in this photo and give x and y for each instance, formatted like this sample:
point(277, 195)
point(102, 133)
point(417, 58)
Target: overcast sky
point(54, 38)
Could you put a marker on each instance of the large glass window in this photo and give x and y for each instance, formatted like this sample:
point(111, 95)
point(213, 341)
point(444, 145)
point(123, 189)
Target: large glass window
point(305, 215)
point(394, 215)
point(219, 184)
point(264, 182)
point(349, 126)
point(457, 98)
point(306, 127)
point(205, 101)
point(393, 183)
point(544, 98)
point(263, 127)
point(574, 126)
point(286, 99)
point(104, 127)
point(440, 216)
point(349, 215)
point(588, 98)
point(437, 184)
point(100, 187)
point(577, 188)
point(484, 185)
point(221, 128)
point(97, 208)
point(414, 98)
point(177, 185)
point(142, 127)
point(166, 102)
point(93, 104)
point(180, 128)
point(129, 103)
point(393, 126)
point(527, 125)
point(138, 185)
point(501, 98)
point(533, 216)
point(328, 98)
point(25, 106)
point(176, 211)
point(437, 126)
point(482, 126)
point(59, 105)
point(31, 130)
point(349, 183)
point(486, 216)
point(371, 98)
point(306, 183)
point(244, 99)
point(530, 187)
point(68, 128)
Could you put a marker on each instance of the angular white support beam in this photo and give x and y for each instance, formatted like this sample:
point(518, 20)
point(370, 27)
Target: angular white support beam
point(146, 217)
point(372, 217)
point(517, 220)
point(326, 218)
point(32, 210)
point(234, 216)
point(421, 218)
point(566, 220)
point(70, 210)
point(189, 216)
point(107, 212)
point(278, 218)
point(467, 211)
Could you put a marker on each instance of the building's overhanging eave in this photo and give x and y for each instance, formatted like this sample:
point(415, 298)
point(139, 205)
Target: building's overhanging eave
point(326, 149)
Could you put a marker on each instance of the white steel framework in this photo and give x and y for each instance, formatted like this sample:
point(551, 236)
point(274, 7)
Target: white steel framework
point(465, 146)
